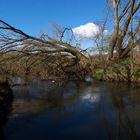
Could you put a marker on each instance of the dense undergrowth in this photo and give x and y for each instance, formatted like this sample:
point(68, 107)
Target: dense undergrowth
point(60, 69)
point(126, 70)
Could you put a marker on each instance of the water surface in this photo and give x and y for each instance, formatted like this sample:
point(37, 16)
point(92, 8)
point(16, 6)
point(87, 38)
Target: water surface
point(74, 111)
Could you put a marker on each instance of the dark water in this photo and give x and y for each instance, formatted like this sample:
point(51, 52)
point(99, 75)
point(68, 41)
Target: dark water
point(74, 111)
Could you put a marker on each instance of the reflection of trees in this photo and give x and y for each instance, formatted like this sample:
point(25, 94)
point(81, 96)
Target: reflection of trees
point(60, 97)
point(124, 120)
point(45, 96)
point(1, 134)
point(6, 98)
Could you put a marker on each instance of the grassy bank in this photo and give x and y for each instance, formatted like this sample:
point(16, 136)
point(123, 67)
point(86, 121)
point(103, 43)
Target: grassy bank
point(127, 70)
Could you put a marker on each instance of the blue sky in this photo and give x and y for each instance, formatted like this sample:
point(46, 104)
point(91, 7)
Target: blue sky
point(34, 16)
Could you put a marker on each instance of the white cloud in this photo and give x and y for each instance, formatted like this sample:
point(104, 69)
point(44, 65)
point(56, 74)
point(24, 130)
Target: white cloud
point(89, 30)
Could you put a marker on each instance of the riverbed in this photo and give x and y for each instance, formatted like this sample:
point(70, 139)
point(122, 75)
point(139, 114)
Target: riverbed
point(75, 110)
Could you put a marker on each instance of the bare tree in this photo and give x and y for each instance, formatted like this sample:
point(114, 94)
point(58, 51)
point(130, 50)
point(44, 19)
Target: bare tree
point(124, 12)
point(24, 45)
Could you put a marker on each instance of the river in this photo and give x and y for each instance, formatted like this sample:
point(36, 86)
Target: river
point(75, 110)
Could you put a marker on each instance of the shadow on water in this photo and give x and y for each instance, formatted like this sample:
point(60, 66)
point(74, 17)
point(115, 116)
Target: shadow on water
point(74, 111)
point(6, 98)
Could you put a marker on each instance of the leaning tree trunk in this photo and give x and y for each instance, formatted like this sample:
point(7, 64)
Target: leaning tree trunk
point(37, 46)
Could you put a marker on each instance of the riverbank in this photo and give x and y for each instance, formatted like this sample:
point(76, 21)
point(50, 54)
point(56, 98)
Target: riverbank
point(127, 70)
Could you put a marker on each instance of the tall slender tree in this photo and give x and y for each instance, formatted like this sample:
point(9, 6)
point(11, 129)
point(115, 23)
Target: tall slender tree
point(124, 12)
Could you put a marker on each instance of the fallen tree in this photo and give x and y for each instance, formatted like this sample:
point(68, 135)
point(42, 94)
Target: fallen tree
point(16, 44)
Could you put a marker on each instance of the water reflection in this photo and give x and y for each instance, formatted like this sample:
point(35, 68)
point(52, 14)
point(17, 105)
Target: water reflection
point(6, 98)
point(126, 112)
point(44, 110)
point(91, 94)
